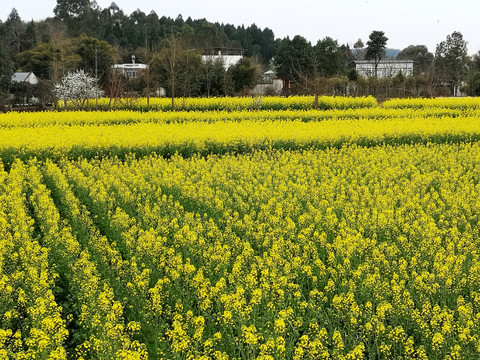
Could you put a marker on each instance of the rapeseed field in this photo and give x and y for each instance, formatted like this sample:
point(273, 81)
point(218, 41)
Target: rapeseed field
point(222, 232)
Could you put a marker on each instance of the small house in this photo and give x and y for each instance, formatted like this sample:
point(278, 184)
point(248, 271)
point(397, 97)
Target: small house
point(269, 85)
point(22, 90)
point(25, 77)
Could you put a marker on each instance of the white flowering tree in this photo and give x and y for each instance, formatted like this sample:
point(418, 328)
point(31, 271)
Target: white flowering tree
point(77, 87)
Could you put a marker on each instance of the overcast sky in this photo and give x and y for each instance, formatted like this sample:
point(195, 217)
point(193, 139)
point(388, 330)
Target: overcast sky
point(405, 22)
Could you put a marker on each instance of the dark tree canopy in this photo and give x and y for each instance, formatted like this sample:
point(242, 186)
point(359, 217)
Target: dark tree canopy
point(476, 61)
point(6, 69)
point(80, 16)
point(422, 59)
point(451, 60)
point(359, 50)
point(96, 57)
point(39, 59)
point(474, 84)
point(293, 58)
point(50, 60)
point(243, 75)
point(330, 59)
point(67, 9)
point(15, 35)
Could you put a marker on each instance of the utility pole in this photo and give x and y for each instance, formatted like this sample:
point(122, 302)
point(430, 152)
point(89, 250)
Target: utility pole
point(96, 80)
point(147, 73)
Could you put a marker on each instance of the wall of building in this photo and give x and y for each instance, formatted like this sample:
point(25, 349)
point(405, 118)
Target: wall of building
point(228, 60)
point(275, 87)
point(385, 68)
point(131, 71)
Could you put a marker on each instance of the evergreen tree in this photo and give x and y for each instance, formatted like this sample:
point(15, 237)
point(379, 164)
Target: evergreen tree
point(96, 57)
point(422, 59)
point(15, 32)
point(6, 70)
point(330, 60)
point(376, 47)
point(451, 61)
point(80, 16)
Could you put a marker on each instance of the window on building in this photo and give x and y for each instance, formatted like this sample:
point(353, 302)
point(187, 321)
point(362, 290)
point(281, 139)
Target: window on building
point(131, 73)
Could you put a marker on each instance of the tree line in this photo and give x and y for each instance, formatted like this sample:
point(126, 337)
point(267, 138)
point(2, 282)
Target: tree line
point(81, 35)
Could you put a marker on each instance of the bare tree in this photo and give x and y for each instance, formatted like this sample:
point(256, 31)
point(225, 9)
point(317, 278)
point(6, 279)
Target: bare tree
point(115, 88)
point(63, 60)
point(146, 57)
point(170, 62)
point(311, 79)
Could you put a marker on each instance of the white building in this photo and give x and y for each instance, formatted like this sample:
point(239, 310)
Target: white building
point(385, 68)
point(229, 57)
point(132, 70)
point(25, 77)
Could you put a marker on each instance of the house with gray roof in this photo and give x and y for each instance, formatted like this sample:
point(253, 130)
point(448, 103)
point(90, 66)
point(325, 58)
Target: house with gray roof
point(25, 77)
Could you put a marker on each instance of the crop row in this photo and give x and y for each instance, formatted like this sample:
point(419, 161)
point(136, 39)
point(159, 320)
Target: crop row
point(420, 103)
point(338, 253)
point(274, 103)
point(31, 319)
point(223, 137)
point(121, 117)
point(228, 103)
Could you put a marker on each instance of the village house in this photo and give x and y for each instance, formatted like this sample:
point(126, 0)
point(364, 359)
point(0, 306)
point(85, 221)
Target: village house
point(228, 56)
point(131, 70)
point(385, 68)
point(22, 89)
point(268, 85)
point(25, 77)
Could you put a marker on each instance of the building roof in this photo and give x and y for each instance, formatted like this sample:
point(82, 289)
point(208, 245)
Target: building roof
point(20, 76)
point(223, 51)
point(228, 60)
point(387, 61)
point(130, 66)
